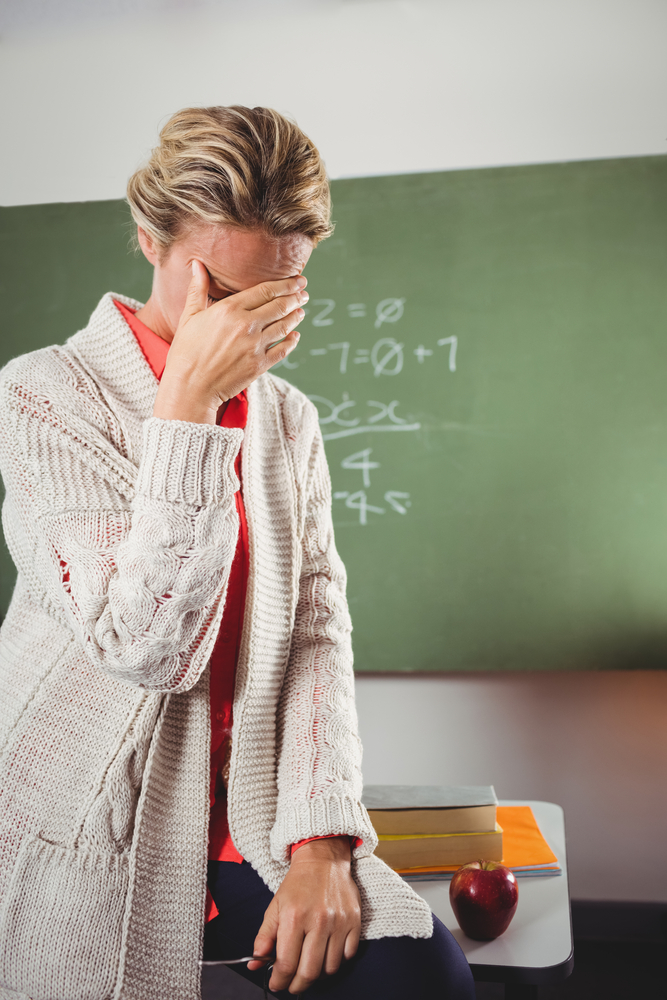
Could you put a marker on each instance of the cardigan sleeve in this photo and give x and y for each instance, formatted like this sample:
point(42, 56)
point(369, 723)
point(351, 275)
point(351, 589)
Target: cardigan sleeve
point(134, 560)
point(319, 769)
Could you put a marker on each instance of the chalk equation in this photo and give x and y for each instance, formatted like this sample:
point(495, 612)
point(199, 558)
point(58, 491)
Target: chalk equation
point(387, 356)
point(383, 355)
point(387, 311)
point(338, 421)
point(397, 500)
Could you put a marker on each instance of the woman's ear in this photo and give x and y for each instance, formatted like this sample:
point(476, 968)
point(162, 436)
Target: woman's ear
point(147, 246)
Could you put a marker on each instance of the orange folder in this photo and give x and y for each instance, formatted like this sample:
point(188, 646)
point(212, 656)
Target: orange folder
point(523, 843)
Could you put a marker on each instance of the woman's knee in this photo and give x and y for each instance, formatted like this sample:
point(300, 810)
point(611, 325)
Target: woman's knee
point(429, 967)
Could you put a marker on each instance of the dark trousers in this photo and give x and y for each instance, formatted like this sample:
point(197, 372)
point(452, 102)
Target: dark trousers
point(400, 968)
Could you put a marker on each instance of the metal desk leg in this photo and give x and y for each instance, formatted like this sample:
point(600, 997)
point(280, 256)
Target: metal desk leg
point(521, 991)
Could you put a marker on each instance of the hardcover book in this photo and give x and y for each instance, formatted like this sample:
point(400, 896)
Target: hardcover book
point(440, 849)
point(431, 809)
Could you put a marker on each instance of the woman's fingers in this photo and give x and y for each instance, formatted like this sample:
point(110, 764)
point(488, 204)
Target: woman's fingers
point(265, 942)
point(300, 961)
point(311, 964)
point(278, 309)
point(334, 954)
point(288, 956)
point(280, 351)
point(269, 291)
point(277, 331)
point(352, 942)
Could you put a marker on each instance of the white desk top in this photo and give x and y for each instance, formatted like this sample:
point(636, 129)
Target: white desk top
point(540, 935)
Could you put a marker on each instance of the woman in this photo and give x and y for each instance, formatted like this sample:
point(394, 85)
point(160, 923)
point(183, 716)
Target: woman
point(176, 663)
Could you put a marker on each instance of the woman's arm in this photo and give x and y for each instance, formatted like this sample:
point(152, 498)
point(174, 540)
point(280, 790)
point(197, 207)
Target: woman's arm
point(135, 561)
point(314, 919)
point(319, 761)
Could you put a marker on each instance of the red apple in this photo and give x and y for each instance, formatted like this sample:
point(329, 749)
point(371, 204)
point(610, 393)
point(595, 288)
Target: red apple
point(484, 896)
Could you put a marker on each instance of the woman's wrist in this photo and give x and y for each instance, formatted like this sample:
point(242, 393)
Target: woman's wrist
point(182, 402)
point(329, 849)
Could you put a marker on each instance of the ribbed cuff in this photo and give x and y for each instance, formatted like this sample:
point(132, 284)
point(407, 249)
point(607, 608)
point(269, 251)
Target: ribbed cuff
point(188, 463)
point(331, 815)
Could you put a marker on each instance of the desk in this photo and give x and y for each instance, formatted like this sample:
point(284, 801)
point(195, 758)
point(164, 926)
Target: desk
point(537, 947)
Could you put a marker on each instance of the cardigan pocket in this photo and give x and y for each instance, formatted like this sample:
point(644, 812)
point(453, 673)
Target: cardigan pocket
point(61, 922)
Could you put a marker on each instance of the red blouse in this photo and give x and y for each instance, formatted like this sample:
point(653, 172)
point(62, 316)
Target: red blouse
point(225, 652)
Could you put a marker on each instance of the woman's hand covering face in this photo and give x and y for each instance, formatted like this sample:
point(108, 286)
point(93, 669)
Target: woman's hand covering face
point(314, 920)
point(219, 349)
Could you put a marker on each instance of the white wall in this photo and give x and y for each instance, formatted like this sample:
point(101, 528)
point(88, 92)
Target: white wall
point(383, 86)
point(594, 742)
point(387, 86)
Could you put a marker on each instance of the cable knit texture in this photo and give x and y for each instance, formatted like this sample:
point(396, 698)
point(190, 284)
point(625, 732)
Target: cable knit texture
point(123, 528)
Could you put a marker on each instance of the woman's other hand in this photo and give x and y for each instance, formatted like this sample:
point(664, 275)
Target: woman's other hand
point(220, 348)
point(314, 920)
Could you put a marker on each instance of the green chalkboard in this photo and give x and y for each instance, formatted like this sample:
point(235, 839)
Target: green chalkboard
point(488, 353)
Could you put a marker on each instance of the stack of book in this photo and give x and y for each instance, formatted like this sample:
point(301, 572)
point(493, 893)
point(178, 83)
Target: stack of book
point(434, 825)
point(416, 822)
point(525, 851)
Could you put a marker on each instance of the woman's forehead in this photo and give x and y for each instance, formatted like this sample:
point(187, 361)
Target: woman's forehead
point(241, 258)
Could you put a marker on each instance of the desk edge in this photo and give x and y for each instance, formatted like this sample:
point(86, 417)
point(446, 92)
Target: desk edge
point(524, 974)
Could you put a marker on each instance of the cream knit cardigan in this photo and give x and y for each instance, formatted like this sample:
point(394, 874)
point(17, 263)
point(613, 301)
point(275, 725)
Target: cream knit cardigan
point(123, 527)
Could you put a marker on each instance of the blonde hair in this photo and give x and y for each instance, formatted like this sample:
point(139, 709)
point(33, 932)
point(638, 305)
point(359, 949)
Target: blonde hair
point(250, 168)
